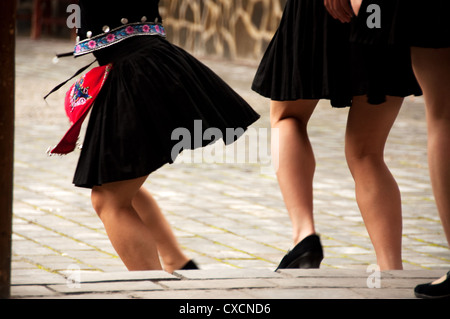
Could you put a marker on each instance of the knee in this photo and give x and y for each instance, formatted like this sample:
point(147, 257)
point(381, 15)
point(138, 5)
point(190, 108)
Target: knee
point(98, 200)
point(103, 200)
point(289, 123)
point(439, 123)
point(363, 157)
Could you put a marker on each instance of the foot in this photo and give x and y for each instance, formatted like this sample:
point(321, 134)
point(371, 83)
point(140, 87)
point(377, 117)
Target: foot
point(437, 289)
point(190, 265)
point(306, 254)
point(183, 265)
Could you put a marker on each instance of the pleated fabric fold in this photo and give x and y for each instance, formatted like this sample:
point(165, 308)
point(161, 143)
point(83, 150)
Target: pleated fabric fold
point(153, 89)
point(311, 56)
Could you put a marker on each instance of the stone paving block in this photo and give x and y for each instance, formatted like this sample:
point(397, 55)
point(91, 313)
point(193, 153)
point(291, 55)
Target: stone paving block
point(218, 284)
point(32, 291)
point(425, 274)
point(193, 294)
point(130, 276)
point(36, 277)
point(228, 274)
point(119, 286)
point(136, 285)
point(252, 263)
point(324, 273)
point(409, 283)
point(384, 293)
point(303, 293)
point(327, 282)
point(92, 296)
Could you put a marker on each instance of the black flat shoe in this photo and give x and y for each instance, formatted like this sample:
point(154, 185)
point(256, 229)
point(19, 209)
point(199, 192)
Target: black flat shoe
point(434, 291)
point(306, 254)
point(190, 265)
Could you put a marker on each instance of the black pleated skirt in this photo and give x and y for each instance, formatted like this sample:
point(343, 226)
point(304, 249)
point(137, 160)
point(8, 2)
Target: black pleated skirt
point(311, 57)
point(155, 93)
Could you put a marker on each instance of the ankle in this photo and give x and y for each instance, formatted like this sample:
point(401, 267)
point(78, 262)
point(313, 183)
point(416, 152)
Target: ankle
point(297, 238)
point(175, 264)
point(390, 265)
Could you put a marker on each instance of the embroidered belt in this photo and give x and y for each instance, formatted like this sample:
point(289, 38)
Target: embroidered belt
point(116, 35)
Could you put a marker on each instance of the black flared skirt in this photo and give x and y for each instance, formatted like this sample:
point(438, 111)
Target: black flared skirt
point(311, 57)
point(155, 97)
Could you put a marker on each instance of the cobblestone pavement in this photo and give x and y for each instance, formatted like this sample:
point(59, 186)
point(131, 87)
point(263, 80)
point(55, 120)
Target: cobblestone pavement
point(226, 215)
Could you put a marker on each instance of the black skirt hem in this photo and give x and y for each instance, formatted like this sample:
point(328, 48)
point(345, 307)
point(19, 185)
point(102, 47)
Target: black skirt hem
point(153, 89)
point(312, 57)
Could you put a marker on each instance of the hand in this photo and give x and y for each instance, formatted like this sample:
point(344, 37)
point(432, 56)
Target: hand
point(339, 9)
point(356, 5)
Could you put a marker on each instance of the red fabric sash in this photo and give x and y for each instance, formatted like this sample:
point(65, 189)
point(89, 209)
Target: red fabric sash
point(79, 100)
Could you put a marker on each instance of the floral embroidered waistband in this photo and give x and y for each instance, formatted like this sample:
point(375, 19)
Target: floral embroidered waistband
point(116, 35)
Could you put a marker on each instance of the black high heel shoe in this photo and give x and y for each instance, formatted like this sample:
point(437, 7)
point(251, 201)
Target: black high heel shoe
point(434, 291)
point(306, 254)
point(190, 265)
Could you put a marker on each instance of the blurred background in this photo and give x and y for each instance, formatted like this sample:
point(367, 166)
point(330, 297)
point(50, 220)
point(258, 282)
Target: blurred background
point(226, 28)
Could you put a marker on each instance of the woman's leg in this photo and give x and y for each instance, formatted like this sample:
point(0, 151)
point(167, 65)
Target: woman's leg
point(377, 192)
point(432, 69)
point(296, 163)
point(168, 248)
point(129, 236)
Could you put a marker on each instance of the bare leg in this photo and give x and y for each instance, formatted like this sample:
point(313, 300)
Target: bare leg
point(296, 162)
point(377, 192)
point(168, 248)
point(129, 236)
point(432, 68)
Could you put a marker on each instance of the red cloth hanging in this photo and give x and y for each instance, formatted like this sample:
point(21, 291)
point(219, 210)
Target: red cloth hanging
point(79, 100)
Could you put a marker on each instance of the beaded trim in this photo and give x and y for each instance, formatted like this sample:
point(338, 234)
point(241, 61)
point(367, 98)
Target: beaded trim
point(116, 35)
